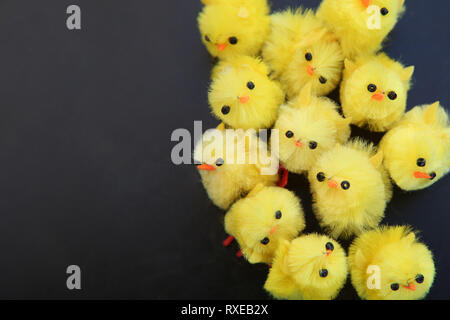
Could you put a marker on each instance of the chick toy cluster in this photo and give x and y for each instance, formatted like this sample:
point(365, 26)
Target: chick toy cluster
point(274, 71)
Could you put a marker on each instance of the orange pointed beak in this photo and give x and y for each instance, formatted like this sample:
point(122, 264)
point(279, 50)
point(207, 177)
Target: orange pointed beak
point(411, 287)
point(244, 99)
point(206, 167)
point(329, 252)
point(366, 3)
point(332, 184)
point(221, 46)
point(273, 229)
point(421, 175)
point(378, 96)
point(310, 70)
point(298, 144)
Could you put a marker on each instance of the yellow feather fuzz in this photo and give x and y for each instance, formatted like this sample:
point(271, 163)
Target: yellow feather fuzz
point(404, 266)
point(374, 91)
point(300, 50)
point(303, 269)
point(232, 165)
point(243, 96)
point(308, 127)
point(232, 27)
point(351, 21)
point(417, 150)
point(350, 189)
point(262, 220)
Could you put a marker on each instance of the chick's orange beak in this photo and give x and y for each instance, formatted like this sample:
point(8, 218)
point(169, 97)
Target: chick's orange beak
point(310, 70)
point(244, 99)
point(421, 175)
point(273, 229)
point(329, 252)
point(332, 184)
point(366, 3)
point(378, 96)
point(298, 144)
point(206, 167)
point(221, 46)
point(411, 286)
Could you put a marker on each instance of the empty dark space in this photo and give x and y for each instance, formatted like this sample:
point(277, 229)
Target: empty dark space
point(86, 177)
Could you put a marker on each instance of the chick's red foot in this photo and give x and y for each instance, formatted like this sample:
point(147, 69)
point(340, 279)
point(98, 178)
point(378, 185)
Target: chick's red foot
point(284, 176)
point(239, 254)
point(228, 241)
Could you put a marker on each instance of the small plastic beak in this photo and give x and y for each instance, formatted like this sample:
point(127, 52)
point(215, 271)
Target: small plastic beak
point(366, 3)
point(378, 96)
point(421, 175)
point(329, 252)
point(411, 286)
point(206, 167)
point(332, 184)
point(273, 229)
point(310, 70)
point(244, 99)
point(298, 144)
point(221, 46)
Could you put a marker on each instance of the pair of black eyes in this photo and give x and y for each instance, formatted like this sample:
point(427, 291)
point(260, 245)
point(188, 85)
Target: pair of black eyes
point(312, 144)
point(419, 279)
point(372, 88)
point(226, 109)
point(231, 40)
point(308, 57)
point(266, 240)
point(345, 185)
point(323, 273)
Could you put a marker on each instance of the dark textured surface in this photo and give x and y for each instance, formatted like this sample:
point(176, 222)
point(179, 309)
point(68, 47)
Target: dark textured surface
point(86, 176)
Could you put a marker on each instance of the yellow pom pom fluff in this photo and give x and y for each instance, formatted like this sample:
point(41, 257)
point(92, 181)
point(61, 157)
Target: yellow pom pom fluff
point(243, 96)
point(312, 267)
point(374, 91)
point(230, 27)
point(400, 267)
point(232, 165)
point(361, 25)
point(309, 126)
point(417, 150)
point(350, 189)
point(262, 220)
point(300, 50)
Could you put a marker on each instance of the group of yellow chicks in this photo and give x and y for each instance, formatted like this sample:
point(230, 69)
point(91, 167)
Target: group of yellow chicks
point(274, 71)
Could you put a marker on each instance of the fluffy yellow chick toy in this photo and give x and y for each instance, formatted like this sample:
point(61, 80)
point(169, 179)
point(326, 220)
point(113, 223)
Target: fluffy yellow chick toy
point(350, 189)
point(361, 25)
point(262, 220)
point(390, 264)
point(231, 165)
point(300, 50)
point(230, 27)
point(242, 95)
point(417, 150)
point(374, 91)
point(309, 126)
point(312, 267)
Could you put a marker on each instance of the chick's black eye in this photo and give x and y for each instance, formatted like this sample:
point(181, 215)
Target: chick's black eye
point(289, 134)
point(265, 241)
point(278, 214)
point(420, 278)
point(345, 185)
point(395, 286)
point(233, 40)
point(323, 273)
point(250, 85)
point(392, 95)
point(372, 88)
point(207, 39)
point(322, 80)
point(320, 177)
point(308, 56)
point(384, 11)
point(421, 162)
point(313, 145)
point(225, 109)
point(219, 162)
point(329, 246)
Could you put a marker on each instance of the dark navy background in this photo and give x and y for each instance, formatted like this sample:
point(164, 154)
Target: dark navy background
point(85, 172)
